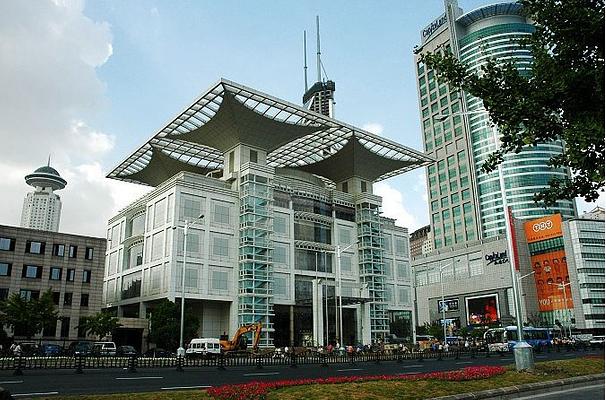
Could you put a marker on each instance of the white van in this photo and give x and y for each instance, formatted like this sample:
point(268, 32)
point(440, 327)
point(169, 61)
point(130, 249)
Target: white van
point(104, 349)
point(207, 347)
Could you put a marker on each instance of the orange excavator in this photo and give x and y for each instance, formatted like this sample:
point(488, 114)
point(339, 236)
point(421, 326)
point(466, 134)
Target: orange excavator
point(238, 342)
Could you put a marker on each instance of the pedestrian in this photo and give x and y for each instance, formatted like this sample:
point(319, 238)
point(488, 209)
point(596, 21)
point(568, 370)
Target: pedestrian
point(17, 350)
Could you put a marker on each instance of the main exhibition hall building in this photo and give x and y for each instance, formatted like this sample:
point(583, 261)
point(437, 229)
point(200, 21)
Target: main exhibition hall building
point(283, 225)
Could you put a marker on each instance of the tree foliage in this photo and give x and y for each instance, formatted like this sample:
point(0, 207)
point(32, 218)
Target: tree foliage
point(99, 324)
point(28, 317)
point(560, 97)
point(166, 322)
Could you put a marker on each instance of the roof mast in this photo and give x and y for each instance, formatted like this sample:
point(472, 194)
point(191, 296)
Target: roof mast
point(305, 58)
point(318, 54)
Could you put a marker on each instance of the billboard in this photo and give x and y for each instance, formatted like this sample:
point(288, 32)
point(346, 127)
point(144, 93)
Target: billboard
point(550, 272)
point(549, 264)
point(482, 310)
point(544, 228)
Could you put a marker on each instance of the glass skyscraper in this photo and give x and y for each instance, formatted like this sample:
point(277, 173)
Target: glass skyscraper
point(465, 203)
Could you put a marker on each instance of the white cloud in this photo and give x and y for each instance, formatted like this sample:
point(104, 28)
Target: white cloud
point(154, 11)
point(393, 206)
point(421, 185)
point(373, 127)
point(50, 88)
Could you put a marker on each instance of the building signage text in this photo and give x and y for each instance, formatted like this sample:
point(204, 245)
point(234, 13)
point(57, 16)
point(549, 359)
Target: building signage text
point(497, 258)
point(433, 27)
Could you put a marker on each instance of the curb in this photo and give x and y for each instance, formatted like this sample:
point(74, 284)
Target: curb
point(512, 392)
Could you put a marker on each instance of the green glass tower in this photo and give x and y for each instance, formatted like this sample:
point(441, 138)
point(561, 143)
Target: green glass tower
point(465, 203)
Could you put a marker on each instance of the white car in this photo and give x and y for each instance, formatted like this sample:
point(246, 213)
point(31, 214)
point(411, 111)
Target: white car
point(206, 347)
point(104, 349)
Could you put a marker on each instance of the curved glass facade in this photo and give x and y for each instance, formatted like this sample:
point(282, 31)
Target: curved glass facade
point(524, 173)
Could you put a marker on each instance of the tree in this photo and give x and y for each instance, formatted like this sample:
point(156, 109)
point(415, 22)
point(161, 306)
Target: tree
point(99, 324)
point(28, 317)
point(560, 97)
point(435, 329)
point(166, 322)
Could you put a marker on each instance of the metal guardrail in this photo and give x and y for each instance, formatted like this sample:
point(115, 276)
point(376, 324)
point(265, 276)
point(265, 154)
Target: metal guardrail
point(80, 363)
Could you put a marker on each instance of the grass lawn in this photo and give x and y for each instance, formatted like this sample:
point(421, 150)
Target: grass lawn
point(549, 370)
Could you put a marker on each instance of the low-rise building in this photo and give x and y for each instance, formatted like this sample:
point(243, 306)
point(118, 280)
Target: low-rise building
point(33, 261)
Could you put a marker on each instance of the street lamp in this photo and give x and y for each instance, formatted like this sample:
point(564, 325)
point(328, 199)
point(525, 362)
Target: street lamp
point(442, 268)
point(188, 224)
point(562, 287)
point(338, 252)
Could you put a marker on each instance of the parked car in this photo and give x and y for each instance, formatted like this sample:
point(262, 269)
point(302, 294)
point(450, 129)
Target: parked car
point(158, 353)
point(126, 351)
point(104, 349)
point(205, 347)
point(49, 350)
point(29, 349)
point(80, 349)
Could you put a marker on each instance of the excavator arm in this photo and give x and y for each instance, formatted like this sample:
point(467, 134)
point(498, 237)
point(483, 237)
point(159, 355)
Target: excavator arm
point(233, 344)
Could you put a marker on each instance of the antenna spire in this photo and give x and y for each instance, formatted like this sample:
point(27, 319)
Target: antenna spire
point(305, 57)
point(49, 157)
point(318, 54)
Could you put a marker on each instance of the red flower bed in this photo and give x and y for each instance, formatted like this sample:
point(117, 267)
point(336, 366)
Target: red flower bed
point(258, 390)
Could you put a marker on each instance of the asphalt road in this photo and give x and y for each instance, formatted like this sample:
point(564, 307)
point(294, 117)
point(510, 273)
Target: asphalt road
point(590, 392)
point(94, 381)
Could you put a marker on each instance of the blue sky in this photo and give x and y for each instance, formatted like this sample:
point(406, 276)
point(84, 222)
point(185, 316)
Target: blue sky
point(91, 81)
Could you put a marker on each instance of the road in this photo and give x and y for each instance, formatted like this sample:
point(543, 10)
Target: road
point(590, 392)
point(95, 381)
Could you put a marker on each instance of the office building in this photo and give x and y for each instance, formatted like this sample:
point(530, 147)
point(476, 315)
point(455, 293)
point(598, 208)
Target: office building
point(584, 245)
point(291, 229)
point(42, 207)
point(465, 203)
point(71, 266)
point(421, 241)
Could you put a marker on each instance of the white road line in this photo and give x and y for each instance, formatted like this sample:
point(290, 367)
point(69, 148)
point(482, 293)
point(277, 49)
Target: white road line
point(413, 366)
point(350, 369)
point(186, 387)
point(139, 378)
point(534, 396)
point(34, 394)
point(9, 382)
point(263, 374)
point(464, 362)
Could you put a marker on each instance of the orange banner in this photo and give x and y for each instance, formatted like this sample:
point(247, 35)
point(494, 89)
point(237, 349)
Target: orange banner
point(543, 228)
point(551, 277)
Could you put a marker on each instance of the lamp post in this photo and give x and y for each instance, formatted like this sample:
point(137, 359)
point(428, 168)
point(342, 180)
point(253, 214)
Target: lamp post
point(442, 268)
point(562, 287)
point(338, 252)
point(188, 224)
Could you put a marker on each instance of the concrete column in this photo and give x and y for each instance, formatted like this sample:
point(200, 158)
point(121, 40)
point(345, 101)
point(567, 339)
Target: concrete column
point(318, 312)
point(292, 325)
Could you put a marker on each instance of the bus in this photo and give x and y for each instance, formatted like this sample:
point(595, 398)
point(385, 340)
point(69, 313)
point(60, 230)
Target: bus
point(503, 339)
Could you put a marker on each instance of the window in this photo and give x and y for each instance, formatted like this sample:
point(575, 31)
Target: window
point(67, 299)
point(84, 300)
point(157, 249)
point(160, 213)
point(280, 225)
point(88, 255)
point(28, 295)
point(363, 186)
point(5, 269)
point(345, 187)
point(59, 250)
point(221, 215)
point(71, 275)
point(7, 244)
point(280, 255)
point(32, 247)
point(219, 280)
point(56, 298)
point(31, 271)
point(135, 255)
point(65, 327)
point(86, 276)
point(73, 251)
point(231, 162)
point(3, 293)
point(254, 156)
point(55, 274)
point(220, 247)
point(190, 207)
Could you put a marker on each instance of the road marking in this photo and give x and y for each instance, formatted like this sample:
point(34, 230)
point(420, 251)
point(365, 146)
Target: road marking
point(541, 356)
point(140, 377)
point(263, 374)
point(534, 396)
point(350, 369)
point(9, 382)
point(34, 394)
point(412, 366)
point(464, 362)
point(186, 387)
